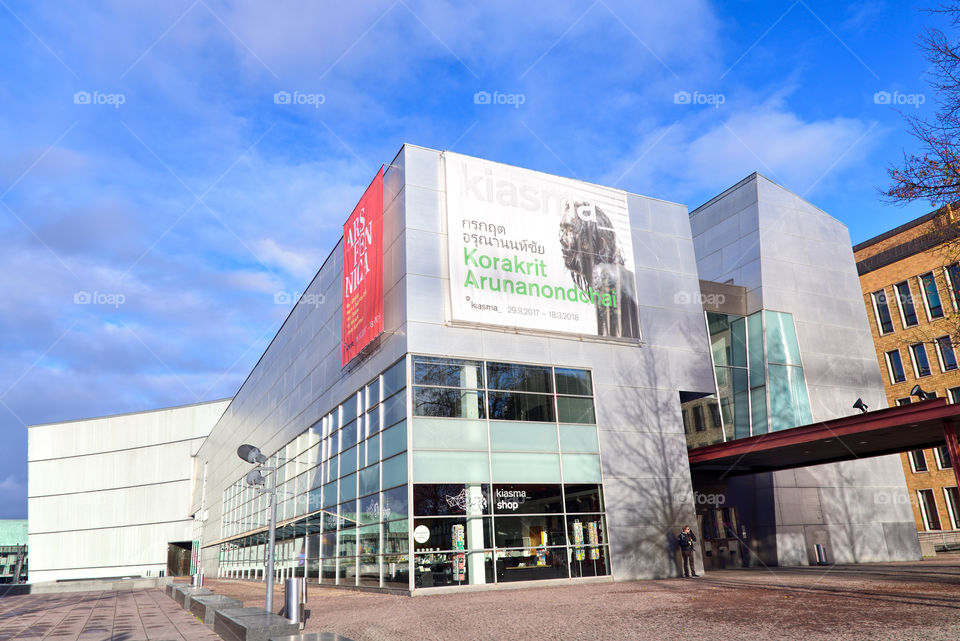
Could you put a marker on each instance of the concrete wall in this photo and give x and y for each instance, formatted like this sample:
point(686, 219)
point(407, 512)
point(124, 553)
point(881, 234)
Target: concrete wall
point(300, 378)
point(795, 258)
point(106, 495)
point(646, 474)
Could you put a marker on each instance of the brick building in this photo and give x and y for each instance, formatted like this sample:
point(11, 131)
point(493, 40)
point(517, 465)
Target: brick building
point(910, 277)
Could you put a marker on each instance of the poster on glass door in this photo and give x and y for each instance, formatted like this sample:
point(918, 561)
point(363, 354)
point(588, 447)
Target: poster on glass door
point(540, 252)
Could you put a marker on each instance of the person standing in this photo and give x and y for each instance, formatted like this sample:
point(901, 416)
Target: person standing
point(686, 540)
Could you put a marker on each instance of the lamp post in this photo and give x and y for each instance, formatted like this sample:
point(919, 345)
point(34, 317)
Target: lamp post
point(252, 454)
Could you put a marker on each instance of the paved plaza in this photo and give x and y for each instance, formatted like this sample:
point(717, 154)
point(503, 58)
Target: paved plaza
point(895, 601)
point(134, 615)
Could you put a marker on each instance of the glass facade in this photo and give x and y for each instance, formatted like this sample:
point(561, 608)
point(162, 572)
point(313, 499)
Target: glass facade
point(760, 382)
point(505, 485)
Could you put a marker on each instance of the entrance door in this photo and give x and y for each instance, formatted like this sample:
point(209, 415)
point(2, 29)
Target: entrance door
point(178, 558)
point(720, 543)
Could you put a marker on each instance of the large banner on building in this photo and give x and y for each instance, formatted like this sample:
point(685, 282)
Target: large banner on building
point(536, 251)
point(362, 297)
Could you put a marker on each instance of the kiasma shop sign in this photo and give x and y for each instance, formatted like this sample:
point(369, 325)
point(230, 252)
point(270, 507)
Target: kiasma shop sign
point(362, 291)
point(536, 251)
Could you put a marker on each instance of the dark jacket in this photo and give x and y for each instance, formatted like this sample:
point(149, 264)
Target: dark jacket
point(685, 540)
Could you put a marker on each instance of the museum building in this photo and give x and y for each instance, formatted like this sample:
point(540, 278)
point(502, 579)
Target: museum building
point(496, 375)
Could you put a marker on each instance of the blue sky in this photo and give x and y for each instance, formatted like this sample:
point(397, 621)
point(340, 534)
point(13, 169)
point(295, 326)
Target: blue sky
point(183, 198)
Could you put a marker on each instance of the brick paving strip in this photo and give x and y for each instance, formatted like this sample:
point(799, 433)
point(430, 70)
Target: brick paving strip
point(135, 615)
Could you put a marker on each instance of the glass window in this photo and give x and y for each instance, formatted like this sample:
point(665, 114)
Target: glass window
point(921, 366)
point(369, 480)
point(592, 561)
point(789, 405)
point(394, 409)
point(948, 359)
point(369, 509)
point(447, 372)
point(728, 338)
point(437, 533)
point(904, 401)
point(446, 467)
point(373, 449)
point(529, 531)
point(954, 394)
point(373, 393)
point(531, 437)
point(454, 403)
point(581, 468)
point(394, 503)
point(943, 457)
point(905, 302)
point(579, 438)
point(441, 433)
point(758, 411)
point(895, 367)
point(952, 499)
point(349, 409)
point(532, 564)
point(396, 536)
point(953, 278)
point(395, 378)
point(348, 487)
point(349, 514)
point(882, 311)
point(519, 378)
point(396, 570)
point(583, 498)
point(698, 422)
point(368, 540)
point(394, 440)
point(931, 295)
point(528, 467)
point(347, 543)
point(451, 499)
point(782, 344)
point(526, 498)
point(928, 509)
point(373, 421)
point(575, 382)
point(755, 336)
point(394, 471)
point(918, 462)
point(512, 406)
point(575, 410)
point(348, 461)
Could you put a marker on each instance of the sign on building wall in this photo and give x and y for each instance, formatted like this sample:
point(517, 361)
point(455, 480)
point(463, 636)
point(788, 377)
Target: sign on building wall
point(362, 296)
point(540, 252)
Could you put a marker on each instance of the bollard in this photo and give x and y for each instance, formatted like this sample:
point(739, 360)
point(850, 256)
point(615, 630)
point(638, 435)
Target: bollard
point(292, 600)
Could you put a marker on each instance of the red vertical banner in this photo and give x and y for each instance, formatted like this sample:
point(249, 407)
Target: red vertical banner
point(362, 297)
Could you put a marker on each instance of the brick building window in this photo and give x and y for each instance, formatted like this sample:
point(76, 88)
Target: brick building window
point(918, 462)
point(928, 509)
point(895, 366)
point(882, 311)
point(931, 296)
point(908, 315)
point(921, 365)
point(948, 359)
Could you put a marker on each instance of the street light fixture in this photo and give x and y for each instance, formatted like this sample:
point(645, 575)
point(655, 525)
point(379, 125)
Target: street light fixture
point(255, 478)
point(860, 405)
